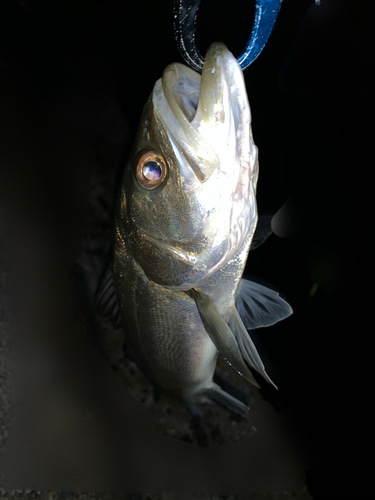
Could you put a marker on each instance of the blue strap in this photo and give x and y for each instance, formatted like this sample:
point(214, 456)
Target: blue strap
point(185, 19)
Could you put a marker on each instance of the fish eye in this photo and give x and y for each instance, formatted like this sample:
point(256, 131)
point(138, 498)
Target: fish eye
point(151, 170)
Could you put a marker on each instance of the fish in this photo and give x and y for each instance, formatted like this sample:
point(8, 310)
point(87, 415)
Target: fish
point(185, 219)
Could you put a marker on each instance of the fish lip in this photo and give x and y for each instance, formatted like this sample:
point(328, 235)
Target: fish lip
point(221, 89)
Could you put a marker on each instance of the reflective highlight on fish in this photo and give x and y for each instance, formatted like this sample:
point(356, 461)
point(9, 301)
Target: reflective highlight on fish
point(185, 218)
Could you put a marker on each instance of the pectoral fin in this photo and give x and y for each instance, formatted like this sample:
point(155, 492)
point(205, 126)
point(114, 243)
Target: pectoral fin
point(220, 334)
point(260, 306)
point(262, 231)
point(247, 347)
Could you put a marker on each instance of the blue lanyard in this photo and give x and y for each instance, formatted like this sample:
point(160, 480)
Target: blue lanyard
point(185, 18)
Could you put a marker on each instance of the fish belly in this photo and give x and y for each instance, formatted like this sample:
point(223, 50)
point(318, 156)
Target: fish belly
point(171, 346)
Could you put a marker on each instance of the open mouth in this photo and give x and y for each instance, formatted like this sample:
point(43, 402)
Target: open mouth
point(205, 114)
point(186, 93)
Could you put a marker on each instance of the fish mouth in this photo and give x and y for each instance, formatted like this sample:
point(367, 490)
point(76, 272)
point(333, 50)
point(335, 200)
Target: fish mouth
point(204, 113)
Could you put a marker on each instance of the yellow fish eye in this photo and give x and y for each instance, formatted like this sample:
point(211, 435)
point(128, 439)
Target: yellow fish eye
point(151, 170)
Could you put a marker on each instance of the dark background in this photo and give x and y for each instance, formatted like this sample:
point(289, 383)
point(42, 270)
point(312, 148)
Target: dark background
point(311, 92)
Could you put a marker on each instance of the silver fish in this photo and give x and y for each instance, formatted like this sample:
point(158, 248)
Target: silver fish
point(185, 218)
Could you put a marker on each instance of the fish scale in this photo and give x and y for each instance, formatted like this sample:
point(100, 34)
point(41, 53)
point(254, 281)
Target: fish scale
point(163, 337)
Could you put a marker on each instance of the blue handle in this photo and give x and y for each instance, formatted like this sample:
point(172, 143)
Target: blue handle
point(185, 18)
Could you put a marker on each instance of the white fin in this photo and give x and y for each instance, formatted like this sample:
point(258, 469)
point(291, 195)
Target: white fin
point(107, 297)
point(220, 334)
point(262, 231)
point(247, 347)
point(260, 306)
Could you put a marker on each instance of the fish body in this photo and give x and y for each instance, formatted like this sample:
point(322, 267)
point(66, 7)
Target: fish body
point(185, 218)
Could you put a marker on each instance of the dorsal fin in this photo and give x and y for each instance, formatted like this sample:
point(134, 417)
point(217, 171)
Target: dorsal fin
point(107, 298)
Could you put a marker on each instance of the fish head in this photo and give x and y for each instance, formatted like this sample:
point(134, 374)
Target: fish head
point(187, 205)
